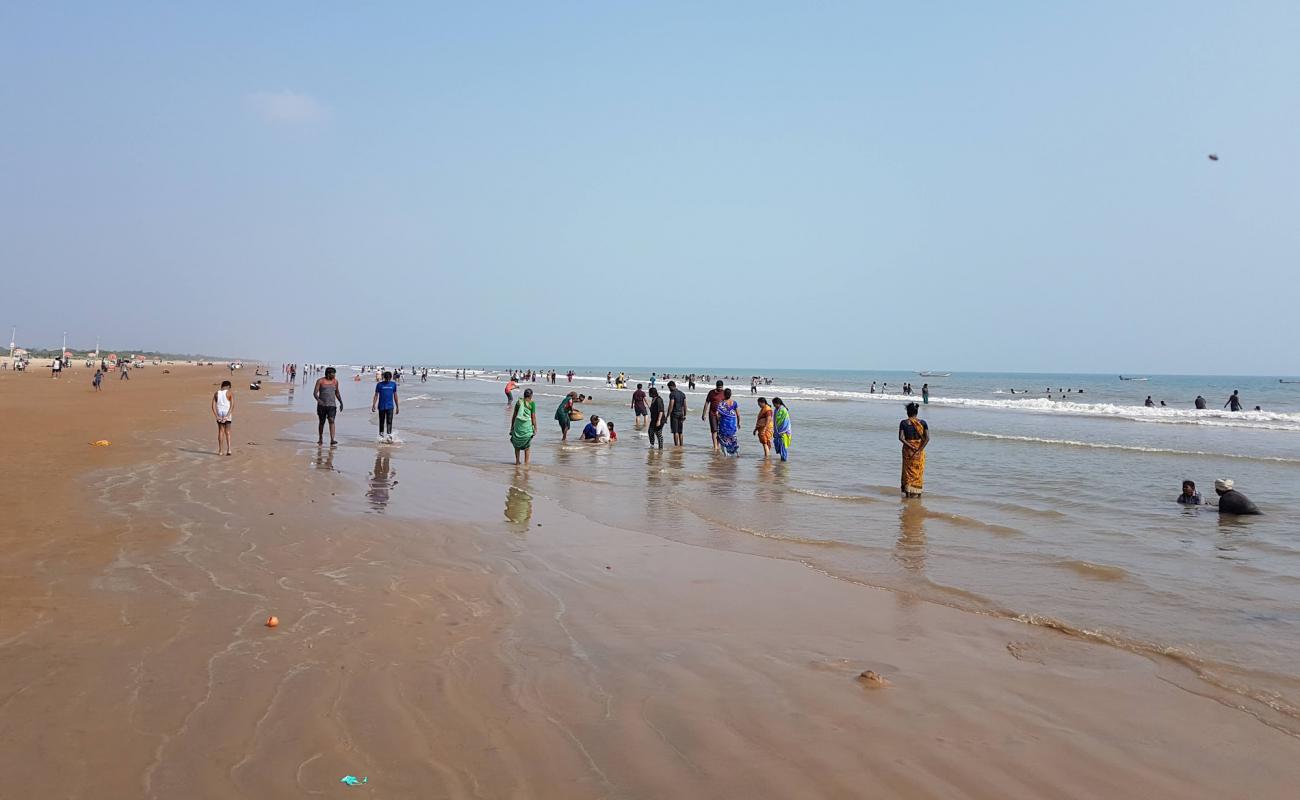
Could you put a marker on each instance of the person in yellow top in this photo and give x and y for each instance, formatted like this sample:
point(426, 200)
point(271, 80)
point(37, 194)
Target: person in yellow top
point(914, 433)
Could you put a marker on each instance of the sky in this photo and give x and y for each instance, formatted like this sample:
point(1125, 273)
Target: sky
point(961, 186)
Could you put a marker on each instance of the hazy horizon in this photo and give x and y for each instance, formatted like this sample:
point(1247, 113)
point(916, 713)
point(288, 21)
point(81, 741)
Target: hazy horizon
point(1018, 188)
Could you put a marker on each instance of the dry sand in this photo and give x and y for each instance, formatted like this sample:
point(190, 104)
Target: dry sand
point(470, 656)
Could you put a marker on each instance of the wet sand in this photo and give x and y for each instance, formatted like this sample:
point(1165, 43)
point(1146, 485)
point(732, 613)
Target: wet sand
point(471, 653)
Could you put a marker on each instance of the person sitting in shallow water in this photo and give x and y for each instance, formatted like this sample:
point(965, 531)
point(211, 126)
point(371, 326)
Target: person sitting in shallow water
point(1232, 501)
point(596, 430)
point(1190, 497)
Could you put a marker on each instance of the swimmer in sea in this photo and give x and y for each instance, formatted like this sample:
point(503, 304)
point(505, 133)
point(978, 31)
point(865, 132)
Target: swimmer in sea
point(1232, 501)
point(1189, 496)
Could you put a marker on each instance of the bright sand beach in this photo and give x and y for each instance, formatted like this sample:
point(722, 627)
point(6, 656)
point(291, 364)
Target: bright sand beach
point(465, 652)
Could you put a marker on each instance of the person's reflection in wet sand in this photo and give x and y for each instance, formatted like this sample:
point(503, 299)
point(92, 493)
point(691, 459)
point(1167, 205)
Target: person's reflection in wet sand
point(382, 481)
point(909, 550)
point(324, 459)
point(519, 503)
point(1231, 529)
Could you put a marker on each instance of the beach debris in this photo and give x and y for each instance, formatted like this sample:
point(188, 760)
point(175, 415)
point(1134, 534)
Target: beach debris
point(353, 780)
point(873, 680)
point(608, 567)
point(101, 443)
point(272, 621)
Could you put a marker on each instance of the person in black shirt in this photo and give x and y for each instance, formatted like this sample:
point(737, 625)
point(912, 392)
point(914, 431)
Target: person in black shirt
point(676, 413)
point(1232, 501)
point(657, 418)
point(1234, 402)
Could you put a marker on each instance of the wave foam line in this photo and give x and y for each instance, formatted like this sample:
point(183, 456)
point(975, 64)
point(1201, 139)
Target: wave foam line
point(1126, 447)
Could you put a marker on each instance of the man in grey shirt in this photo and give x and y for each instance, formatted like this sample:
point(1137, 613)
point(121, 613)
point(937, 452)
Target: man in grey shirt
point(328, 403)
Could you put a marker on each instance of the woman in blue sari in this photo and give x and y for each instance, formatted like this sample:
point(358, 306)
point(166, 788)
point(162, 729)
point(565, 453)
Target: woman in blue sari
point(727, 413)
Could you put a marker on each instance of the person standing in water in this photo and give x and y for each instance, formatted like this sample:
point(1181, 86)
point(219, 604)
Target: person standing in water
point(710, 411)
point(523, 425)
point(1199, 403)
point(510, 389)
point(783, 433)
point(727, 421)
point(925, 393)
point(1234, 402)
point(1232, 501)
point(657, 418)
point(764, 427)
point(676, 413)
point(328, 403)
point(639, 407)
point(564, 414)
point(385, 401)
point(914, 434)
point(223, 408)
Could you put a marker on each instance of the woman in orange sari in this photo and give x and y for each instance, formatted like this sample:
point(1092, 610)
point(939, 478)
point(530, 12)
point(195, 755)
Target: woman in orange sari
point(914, 433)
point(763, 426)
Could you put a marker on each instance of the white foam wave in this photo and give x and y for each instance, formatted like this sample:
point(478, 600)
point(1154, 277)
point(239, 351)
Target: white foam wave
point(1125, 447)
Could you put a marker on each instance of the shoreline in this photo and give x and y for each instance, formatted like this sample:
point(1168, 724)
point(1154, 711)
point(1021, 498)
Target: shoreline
point(544, 655)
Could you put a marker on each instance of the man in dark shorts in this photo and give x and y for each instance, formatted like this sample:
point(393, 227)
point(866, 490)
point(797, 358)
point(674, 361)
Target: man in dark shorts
point(676, 413)
point(387, 404)
point(329, 402)
point(710, 403)
point(639, 406)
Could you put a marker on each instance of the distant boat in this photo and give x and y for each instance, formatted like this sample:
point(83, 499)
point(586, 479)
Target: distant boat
point(935, 374)
point(1131, 378)
point(1283, 380)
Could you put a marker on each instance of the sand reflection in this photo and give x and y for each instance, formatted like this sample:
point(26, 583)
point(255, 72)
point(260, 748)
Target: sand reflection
point(383, 478)
point(909, 550)
point(519, 502)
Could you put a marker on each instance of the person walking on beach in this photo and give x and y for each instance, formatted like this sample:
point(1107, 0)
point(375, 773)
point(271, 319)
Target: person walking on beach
point(223, 408)
point(329, 402)
point(1234, 402)
point(657, 418)
point(727, 418)
point(676, 413)
point(99, 378)
point(710, 411)
point(639, 407)
point(510, 389)
point(523, 425)
point(564, 414)
point(764, 427)
point(123, 373)
point(385, 401)
point(783, 434)
point(914, 434)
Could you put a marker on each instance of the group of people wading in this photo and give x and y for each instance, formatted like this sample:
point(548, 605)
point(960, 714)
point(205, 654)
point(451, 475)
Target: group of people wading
point(772, 426)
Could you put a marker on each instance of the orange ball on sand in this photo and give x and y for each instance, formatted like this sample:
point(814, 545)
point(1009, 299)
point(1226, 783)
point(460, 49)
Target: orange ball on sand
point(272, 621)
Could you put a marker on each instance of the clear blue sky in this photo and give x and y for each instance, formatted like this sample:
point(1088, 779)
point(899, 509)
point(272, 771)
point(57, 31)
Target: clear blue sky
point(1019, 186)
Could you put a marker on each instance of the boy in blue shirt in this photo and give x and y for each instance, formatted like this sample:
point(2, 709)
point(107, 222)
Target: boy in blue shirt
point(386, 402)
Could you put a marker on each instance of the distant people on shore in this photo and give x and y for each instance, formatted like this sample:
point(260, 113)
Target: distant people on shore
point(223, 408)
point(1232, 501)
point(1189, 495)
point(914, 434)
point(523, 426)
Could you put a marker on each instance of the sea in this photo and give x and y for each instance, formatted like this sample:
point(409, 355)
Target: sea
point(1050, 498)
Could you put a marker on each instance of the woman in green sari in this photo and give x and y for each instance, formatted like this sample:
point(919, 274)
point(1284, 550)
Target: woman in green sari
point(523, 424)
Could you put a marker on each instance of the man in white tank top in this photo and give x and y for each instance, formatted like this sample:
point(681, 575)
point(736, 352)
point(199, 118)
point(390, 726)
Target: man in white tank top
point(223, 407)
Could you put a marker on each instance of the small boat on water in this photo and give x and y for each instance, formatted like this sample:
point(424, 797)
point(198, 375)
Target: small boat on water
point(1284, 380)
point(1132, 378)
point(935, 374)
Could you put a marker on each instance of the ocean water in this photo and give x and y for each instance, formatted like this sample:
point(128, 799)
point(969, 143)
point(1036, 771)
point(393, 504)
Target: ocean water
point(1059, 512)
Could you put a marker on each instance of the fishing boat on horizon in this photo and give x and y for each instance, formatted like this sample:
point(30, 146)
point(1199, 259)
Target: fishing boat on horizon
point(935, 374)
point(1133, 378)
